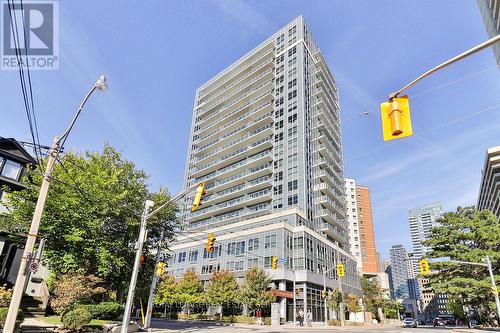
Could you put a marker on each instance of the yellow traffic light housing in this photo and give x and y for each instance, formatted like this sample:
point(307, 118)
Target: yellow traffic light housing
point(275, 262)
point(160, 268)
point(396, 120)
point(340, 270)
point(210, 242)
point(323, 293)
point(200, 192)
point(424, 267)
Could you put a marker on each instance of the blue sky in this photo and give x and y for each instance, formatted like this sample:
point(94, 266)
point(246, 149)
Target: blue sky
point(156, 53)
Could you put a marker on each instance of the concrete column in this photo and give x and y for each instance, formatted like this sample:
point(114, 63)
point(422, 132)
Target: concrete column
point(305, 300)
point(282, 286)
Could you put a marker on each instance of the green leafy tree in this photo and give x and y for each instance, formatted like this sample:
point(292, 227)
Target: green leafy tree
point(92, 215)
point(166, 292)
point(222, 289)
point(333, 300)
point(189, 289)
point(466, 235)
point(372, 295)
point(254, 291)
point(352, 303)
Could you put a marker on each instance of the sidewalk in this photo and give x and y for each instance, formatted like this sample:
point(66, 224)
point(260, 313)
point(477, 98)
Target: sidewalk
point(475, 330)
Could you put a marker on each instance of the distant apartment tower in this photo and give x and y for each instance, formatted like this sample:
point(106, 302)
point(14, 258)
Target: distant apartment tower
point(368, 248)
point(489, 192)
point(265, 140)
point(490, 10)
point(352, 220)
point(421, 221)
point(399, 272)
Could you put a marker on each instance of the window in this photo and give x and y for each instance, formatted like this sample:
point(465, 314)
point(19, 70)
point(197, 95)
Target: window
point(278, 176)
point(292, 107)
point(217, 252)
point(253, 244)
point(292, 51)
point(292, 61)
point(279, 113)
point(292, 71)
point(292, 171)
point(230, 265)
point(11, 170)
point(293, 200)
point(292, 158)
point(238, 266)
point(292, 118)
point(292, 185)
point(279, 101)
point(292, 94)
point(292, 30)
point(279, 124)
point(270, 241)
point(278, 137)
point(278, 163)
point(254, 262)
point(182, 257)
point(267, 262)
point(299, 243)
point(278, 189)
point(292, 83)
point(193, 256)
point(292, 131)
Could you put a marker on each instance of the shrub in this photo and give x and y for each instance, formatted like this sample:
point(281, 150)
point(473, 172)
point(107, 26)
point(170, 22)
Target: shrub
point(5, 295)
point(3, 316)
point(334, 322)
point(72, 289)
point(76, 319)
point(104, 310)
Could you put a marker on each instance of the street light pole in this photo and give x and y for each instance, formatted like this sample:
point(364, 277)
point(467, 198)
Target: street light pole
point(493, 286)
point(57, 146)
point(325, 271)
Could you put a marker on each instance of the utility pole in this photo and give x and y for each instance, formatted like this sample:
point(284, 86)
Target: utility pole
point(149, 309)
point(493, 286)
point(140, 243)
point(137, 262)
point(57, 146)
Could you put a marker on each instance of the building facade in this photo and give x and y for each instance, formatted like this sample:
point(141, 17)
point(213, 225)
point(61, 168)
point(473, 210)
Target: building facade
point(489, 191)
point(421, 221)
point(490, 10)
point(265, 140)
point(368, 248)
point(353, 223)
point(399, 272)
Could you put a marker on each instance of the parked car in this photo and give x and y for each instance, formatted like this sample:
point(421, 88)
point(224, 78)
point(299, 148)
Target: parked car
point(410, 322)
point(438, 322)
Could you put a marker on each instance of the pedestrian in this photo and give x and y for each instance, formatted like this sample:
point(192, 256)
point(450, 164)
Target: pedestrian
point(309, 318)
point(301, 317)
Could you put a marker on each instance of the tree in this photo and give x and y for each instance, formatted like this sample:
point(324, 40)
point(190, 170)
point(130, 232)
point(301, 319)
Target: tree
point(72, 289)
point(372, 295)
point(92, 215)
point(254, 291)
point(352, 303)
point(165, 292)
point(466, 235)
point(189, 289)
point(222, 289)
point(333, 300)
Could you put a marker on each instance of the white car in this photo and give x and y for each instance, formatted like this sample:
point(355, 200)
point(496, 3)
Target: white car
point(409, 322)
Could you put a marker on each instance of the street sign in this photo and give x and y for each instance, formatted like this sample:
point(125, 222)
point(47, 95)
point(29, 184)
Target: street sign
point(33, 266)
point(442, 259)
point(283, 261)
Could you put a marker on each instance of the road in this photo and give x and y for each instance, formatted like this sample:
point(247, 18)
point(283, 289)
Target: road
point(162, 326)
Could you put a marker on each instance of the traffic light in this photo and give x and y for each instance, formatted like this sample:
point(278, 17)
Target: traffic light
point(424, 267)
point(200, 192)
point(340, 270)
point(210, 242)
point(323, 293)
point(494, 290)
point(160, 268)
point(275, 262)
point(396, 120)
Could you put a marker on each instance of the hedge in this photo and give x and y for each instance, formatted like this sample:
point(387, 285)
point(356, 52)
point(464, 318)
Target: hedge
point(3, 316)
point(104, 310)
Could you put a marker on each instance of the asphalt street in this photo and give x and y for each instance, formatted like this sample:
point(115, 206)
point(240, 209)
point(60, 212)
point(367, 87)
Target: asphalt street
point(199, 327)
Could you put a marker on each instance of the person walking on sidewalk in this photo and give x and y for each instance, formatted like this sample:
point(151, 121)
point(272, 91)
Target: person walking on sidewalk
point(309, 318)
point(301, 317)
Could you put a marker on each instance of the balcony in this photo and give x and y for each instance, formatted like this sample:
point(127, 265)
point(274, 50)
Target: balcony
point(263, 98)
point(328, 153)
point(255, 147)
point(234, 204)
point(269, 53)
point(264, 80)
point(332, 231)
point(242, 141)
point(332, 205)
point(239, 215)
point(268, 67)
point(231, 126)
point(325, 124)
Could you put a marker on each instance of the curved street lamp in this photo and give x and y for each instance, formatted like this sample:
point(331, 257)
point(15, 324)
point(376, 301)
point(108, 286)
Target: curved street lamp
point(57, 145)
